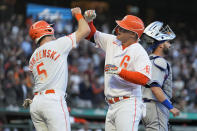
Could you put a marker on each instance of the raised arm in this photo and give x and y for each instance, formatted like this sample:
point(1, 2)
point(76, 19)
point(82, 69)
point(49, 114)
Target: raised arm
point(83, 28)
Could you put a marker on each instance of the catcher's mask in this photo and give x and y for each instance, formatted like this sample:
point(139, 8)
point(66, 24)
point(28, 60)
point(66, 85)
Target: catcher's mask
point(155, 34)
point(40, 29)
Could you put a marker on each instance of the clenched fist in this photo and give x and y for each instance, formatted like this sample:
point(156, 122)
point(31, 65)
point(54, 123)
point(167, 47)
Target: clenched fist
point(90, 15)
point(175, 112)
point(75, 11)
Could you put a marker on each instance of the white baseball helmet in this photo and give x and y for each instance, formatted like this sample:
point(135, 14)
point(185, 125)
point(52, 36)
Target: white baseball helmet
point(159, 33)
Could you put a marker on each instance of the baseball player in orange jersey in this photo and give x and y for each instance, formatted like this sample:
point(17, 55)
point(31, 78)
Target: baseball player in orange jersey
point(49, 67)
point(157, 98)
point(127, 67)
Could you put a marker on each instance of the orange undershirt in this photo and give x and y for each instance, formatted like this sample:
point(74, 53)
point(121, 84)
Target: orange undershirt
point(134, 77)
point(93, 30)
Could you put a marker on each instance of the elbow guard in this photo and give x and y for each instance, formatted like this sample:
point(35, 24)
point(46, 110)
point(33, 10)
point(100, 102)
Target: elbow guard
point(152, 84)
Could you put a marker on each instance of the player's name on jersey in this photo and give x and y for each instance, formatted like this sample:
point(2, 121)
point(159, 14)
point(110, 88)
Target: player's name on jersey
point(44, 54)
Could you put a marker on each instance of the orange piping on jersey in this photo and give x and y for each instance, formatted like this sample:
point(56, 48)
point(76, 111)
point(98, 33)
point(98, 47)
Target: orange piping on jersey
point(93, 30)
point(134, 77)
point(71, 40)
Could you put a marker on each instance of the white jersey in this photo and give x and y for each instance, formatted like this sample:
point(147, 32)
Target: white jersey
point(49, 64)
point(132, 58)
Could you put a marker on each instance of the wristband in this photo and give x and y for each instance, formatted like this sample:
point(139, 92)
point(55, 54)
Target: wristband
point(78, 16)
point(167, 104)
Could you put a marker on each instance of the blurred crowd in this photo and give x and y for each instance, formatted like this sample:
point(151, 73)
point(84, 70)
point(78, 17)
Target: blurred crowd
point(86, 63)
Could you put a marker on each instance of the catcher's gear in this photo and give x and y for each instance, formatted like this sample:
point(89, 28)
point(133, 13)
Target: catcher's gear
point(151, 83)
point(131, 23)
point(89, 15)
point(159, 33)
point(40, 29)
point(27, 102)
point(112, 69)
point(155, 34)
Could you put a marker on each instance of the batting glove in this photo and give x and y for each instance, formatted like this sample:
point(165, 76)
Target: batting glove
point(89, 15)
point(27, 102)
point(112, 69)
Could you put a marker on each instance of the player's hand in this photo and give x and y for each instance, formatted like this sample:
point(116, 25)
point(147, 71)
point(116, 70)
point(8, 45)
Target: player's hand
point(112, 69)
point(27, 102)
point(75, 11)
point(175, 111)
point(89, 15)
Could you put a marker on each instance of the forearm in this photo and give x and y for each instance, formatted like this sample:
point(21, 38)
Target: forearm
point(157, 91)
point(83, 28)
point(134, 77)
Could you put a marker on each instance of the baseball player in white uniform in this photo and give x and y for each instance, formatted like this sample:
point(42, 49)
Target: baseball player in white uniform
point(49, 67)
point(157, 97)
point(127, 66)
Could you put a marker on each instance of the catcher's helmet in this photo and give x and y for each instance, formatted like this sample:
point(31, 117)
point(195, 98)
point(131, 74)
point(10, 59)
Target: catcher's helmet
point(158, 34)
point(40, 29)
point(132, 23)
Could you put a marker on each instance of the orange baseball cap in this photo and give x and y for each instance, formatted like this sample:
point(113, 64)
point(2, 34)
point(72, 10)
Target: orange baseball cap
point(132, 23)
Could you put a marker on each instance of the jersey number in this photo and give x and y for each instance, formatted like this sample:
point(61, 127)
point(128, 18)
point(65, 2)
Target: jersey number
point(43, 71)
point(125, 61)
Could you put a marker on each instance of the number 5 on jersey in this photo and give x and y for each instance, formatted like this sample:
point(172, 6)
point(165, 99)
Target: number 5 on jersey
point(41, 71)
